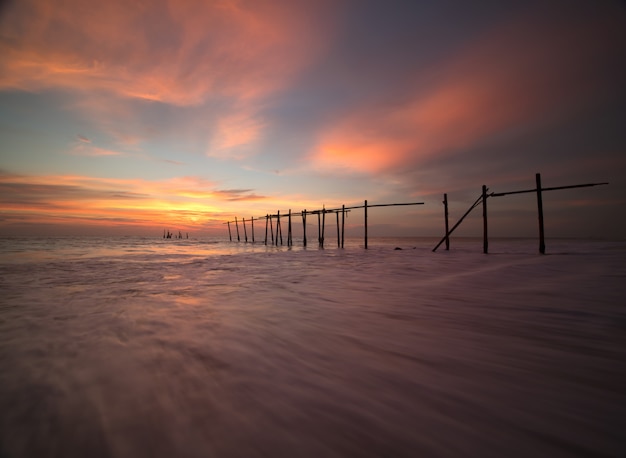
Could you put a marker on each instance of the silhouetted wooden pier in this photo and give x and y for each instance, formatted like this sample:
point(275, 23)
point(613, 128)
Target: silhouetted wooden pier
point(276, 237)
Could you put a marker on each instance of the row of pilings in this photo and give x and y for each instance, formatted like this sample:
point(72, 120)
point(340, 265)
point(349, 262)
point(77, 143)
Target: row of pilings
point(274, 231)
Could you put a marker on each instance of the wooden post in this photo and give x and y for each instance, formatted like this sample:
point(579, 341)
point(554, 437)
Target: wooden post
point(252, 222)
point(289, 240)
point(267, 217)
point(319, 229)
point(343, 223)
point(304, 227)
point(445, 214)
point(542, 243)
point(323, 224)
point(485, 239)
point(279, 229)
point(237, 226)
point(245, 233)
point(338, 237)
point(365, 207)
point(230, 237)
point(272, 229)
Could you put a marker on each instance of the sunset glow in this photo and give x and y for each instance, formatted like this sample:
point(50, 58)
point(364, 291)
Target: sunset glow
point(134, 118)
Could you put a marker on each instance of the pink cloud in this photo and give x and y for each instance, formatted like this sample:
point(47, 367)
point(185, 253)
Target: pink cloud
point(511, 77)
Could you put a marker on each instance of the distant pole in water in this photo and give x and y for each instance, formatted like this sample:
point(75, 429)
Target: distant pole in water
point(272, 229)
point(304, 227)
point(542, 243)
point(252, 222)
point(319, 229)
point(343, 223)
point(485, 239)
point(445, 214)
point(323, 223)
point(245, 233)
point(289, 238)
point(279, 229)
point(338, 237)
point(237, 226)
point(365, 207)
point(267, 217)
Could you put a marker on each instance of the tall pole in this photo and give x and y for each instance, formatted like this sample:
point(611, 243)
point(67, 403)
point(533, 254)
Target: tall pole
point(365, 207)
point(338, 238)
point(323, 224)
point(289, 240)
point(252, 222)
point(542, 243)
point(304, 227)
point(245, 233)
point(343, 223)
point(445, 214)
point(229, 235)
point(279, 229)
point(267, 217)
point(319, 229)
point(485, 239)
point(272, 230)
point(237, 226)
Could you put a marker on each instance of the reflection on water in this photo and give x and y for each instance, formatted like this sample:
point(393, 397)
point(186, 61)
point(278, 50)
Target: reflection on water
point(218, 351)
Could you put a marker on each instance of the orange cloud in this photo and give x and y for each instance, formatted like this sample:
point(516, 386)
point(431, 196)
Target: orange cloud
point(184, 201)
point(179, 53)
point(504, 80)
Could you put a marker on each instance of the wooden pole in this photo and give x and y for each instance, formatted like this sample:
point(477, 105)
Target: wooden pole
point(230, 237)
point(272, 229)
point(343, 223)
point(338, 236)
point(365, 207)
point(245, 233)
point(323, 224)
point(485, 238)
point(445, 215)
point(279, 229)
point(304, 227)
point(319, 229)
point(267, 217)
point(542, 243)
point(237, 226)
point(289, 240)
point(252, 222)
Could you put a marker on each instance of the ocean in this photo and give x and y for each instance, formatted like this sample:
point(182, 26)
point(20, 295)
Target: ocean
point(145, 347)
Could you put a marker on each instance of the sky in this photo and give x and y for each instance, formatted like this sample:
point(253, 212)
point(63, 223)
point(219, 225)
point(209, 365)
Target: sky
point(133, 117)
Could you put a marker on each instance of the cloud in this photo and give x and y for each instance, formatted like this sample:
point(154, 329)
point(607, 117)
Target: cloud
point(516, 77)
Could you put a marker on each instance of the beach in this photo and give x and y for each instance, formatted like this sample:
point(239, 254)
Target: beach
point(136, 347)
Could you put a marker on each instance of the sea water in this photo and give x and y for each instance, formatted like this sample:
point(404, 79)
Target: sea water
point(145, 347)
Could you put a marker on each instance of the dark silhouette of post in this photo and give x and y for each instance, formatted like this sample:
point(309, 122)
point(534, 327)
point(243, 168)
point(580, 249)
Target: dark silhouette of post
point(319, 229)
point(485, 238)
point(338, 237)
point(267, 217)
point(323, 224)
point(289, 239)
point(230, 237)
point(245, 233)
point(365, 208)
point(343, 223)
point(272, 230)
point(252, 222)
point(445, 215)
point(304, 227)
point(237, 226)
point(279, 229)
point(542, 242)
